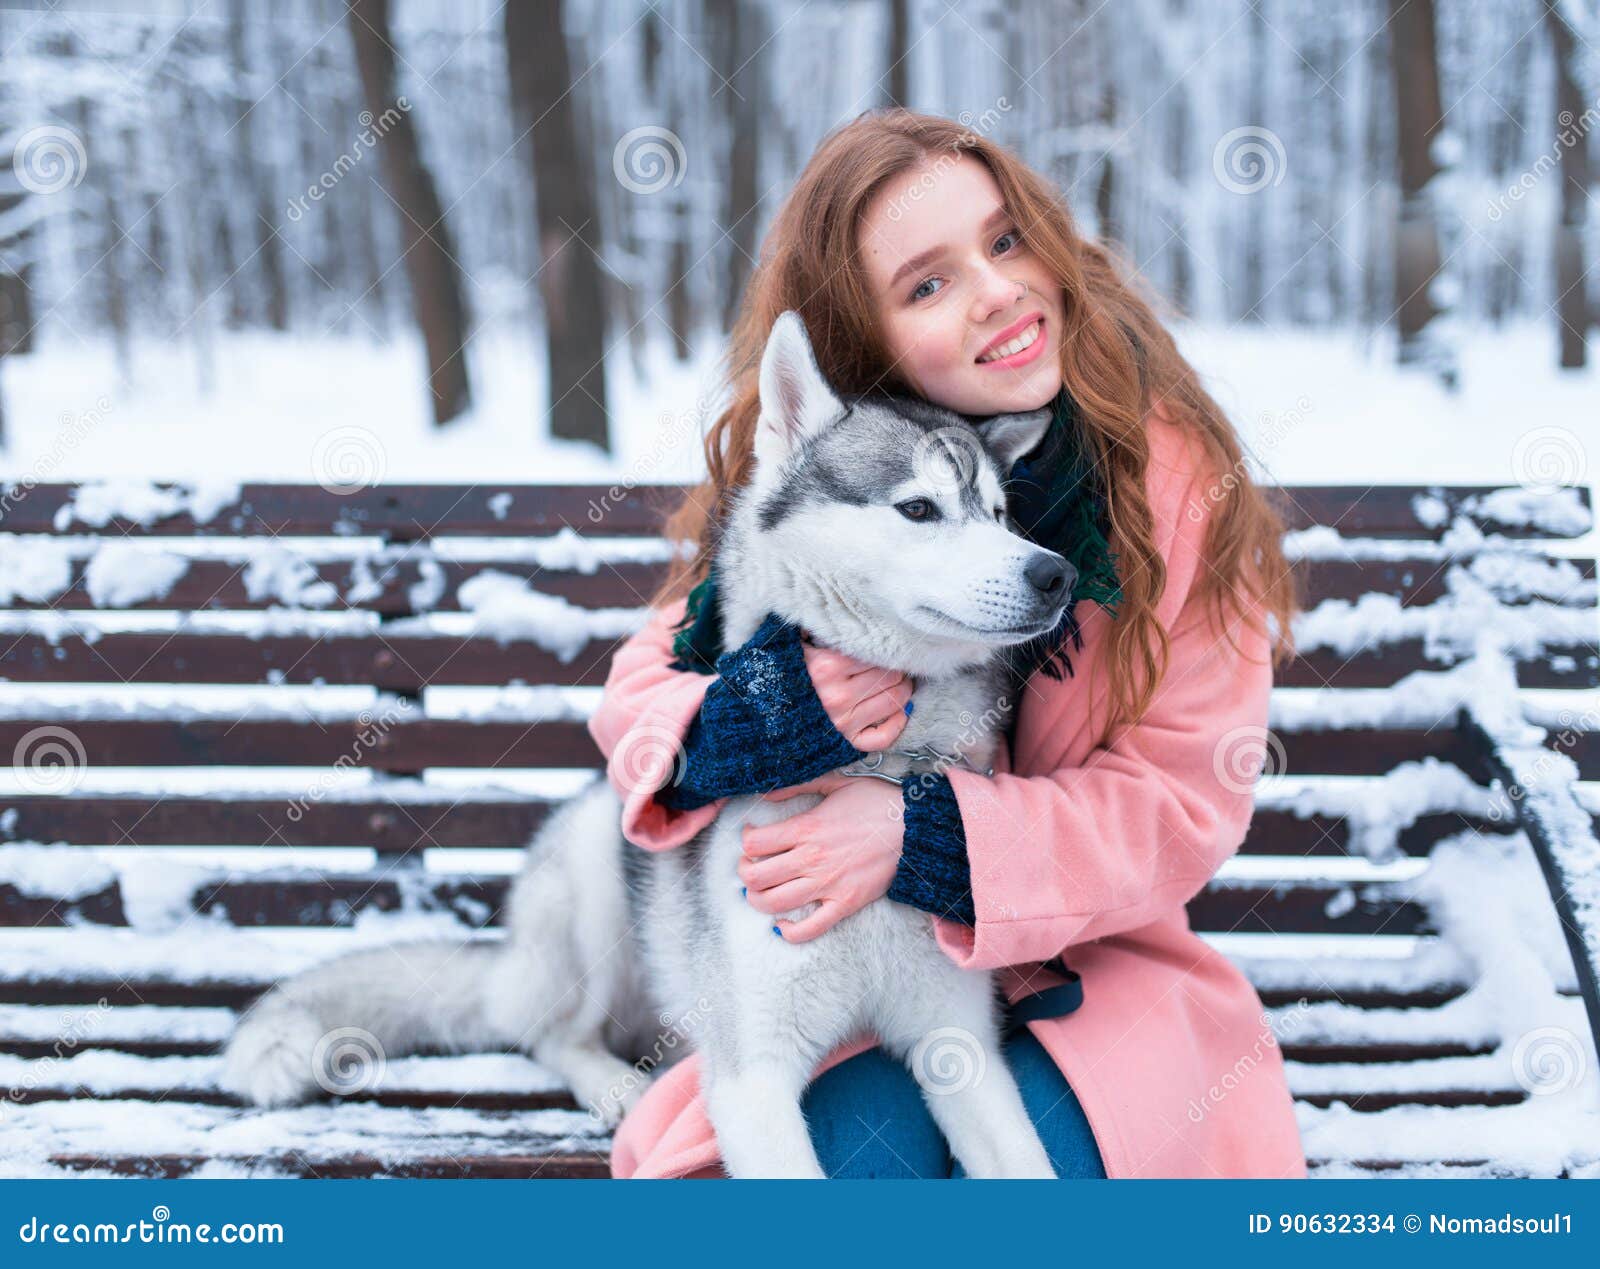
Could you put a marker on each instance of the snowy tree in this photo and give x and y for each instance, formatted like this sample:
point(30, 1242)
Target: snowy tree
point(1419, 301)
point(1573, 312)
point(546, 123)
point(428, 252)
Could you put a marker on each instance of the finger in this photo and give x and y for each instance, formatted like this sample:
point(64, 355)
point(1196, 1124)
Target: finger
point(829, 914)
point(874, 709)
point(826, 663)
point(769, 839)
point(873, 679)
point(880, 735)
point(855, 669)
point(833, 694)
point(785, 898)
point(763, 874)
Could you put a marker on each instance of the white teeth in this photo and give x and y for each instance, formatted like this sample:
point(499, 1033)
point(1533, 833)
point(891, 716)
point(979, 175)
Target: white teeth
point(1014, 346)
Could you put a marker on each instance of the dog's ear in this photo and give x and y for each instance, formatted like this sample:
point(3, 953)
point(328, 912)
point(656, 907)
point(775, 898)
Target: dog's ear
point(796, 401)
point(1010, 436)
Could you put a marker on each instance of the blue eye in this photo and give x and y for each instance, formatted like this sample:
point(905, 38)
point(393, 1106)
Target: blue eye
point(1010, 233)
point(922, 284)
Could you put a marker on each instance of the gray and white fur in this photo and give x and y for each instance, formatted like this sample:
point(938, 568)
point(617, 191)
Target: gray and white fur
point(879, 527)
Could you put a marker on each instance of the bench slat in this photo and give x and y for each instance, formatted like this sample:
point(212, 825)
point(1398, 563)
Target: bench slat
point(409, 662)
point(575, 1167)
point(320, 1134)
point(462, 1165)
point(416, 744)
point(411, 512)
point(1312, 980)
point(509, 1084)
point(302, 897)
point(218, 584)
point(1412, 511)
point(464, 818)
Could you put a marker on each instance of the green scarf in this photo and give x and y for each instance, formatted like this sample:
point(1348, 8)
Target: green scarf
point(1055, 497)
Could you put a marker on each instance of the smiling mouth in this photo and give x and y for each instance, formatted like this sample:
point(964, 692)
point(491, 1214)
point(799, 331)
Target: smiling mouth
point(1017, 344)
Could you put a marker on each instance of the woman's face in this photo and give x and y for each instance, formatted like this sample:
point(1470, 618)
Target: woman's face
point(945, 263)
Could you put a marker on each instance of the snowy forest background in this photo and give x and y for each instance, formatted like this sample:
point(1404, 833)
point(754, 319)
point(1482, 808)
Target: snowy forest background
point(226, 227)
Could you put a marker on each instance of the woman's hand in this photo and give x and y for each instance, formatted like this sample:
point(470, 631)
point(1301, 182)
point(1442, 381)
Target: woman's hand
point(866, 702)
point(842, 853)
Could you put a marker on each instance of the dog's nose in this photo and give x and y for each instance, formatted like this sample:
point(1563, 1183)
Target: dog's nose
point(1051, 575)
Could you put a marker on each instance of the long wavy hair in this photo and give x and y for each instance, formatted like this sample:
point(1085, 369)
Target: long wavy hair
point(1117, 361)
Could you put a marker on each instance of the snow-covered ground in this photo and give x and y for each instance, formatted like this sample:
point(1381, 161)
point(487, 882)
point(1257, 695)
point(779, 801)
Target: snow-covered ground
point(1312, 407)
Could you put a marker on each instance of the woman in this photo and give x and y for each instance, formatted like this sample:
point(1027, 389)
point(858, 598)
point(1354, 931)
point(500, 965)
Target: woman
point(925, 260)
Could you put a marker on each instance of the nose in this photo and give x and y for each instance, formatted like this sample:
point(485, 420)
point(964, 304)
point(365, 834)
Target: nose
point(1050, 575)
point(996, 291)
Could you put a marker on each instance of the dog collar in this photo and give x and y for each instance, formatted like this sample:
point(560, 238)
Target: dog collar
point(870, 764)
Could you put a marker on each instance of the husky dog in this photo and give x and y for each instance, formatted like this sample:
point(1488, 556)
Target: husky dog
point(879, 526)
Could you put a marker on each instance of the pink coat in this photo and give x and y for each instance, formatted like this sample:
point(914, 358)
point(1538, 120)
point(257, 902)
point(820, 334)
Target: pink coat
point(1090, 852)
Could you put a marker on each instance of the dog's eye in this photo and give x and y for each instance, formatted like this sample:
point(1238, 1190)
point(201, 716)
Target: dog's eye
point(915, 509)
point(1000, 514)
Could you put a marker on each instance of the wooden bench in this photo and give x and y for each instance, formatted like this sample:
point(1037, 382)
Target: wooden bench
point(267, 681)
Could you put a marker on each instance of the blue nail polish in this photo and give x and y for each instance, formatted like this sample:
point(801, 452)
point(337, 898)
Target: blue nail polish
point(910, 705)
point(743, 891)
point(777, 931)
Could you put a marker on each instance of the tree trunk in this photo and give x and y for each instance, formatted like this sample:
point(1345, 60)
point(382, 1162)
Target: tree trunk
point(1572, 300)
point(431, 271)
point(1419, 118)
point(259, 286)
point(737, 36)
point(897, 79)
point(546, 126)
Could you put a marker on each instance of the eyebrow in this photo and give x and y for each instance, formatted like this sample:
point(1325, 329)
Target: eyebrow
point(933, 253)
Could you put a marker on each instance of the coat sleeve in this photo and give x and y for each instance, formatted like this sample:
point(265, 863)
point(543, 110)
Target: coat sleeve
point(1138, 828)
point(644, 715)
point(759, 725)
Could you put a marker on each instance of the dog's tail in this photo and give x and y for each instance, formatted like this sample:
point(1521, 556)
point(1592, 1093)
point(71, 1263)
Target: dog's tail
point(332, 1027)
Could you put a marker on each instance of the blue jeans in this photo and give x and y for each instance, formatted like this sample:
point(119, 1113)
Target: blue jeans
point(868, 1118)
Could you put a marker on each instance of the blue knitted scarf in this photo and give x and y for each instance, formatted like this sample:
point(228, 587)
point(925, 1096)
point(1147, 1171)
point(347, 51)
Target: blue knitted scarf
point(1057, 499)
